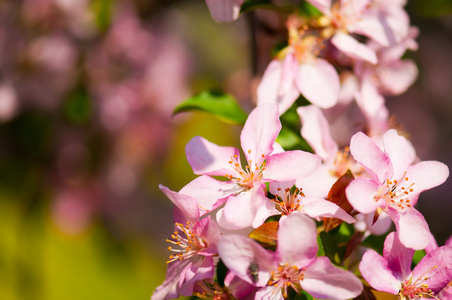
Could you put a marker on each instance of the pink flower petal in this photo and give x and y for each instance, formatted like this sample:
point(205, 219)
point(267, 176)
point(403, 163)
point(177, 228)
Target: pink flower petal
point(412, 228)
point(400, 152)
point(369, 99)
point(260, 132)
point(208, 192)
point(437, 267)
point(199, 268)
point(239, 252)
point(316, 130)
point(207, 158)
point(360, 193)
point(426, 175)
point(247, 209)
point(320, 208)
point(297, 240)
point(398, 76)
point(290, 165)
point(187, 208)
point(278, 85)
point(377, 273)
point(323, 280)
point(318, 184)
point(397, 256)
point(224, 10)
point(380, 227)
point(239, 288)
point(352, 48)
point(318, 81)
point(367, 153)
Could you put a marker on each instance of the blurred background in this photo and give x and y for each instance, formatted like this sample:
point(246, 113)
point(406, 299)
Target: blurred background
point(87, 90)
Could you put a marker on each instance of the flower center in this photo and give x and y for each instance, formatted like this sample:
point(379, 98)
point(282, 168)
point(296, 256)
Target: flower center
point(396, 193)
point(187, 242)
point(417, 288)
point(289, 202)
point(286, 276)
point(343, 162)
point(210, 290)
point(245, 178)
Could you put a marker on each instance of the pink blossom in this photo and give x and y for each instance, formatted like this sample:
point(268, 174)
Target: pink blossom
point(194, 244)
point(288, 201)
point(391, 76)
point(224, 10)
point(300, 71)
point(294, 264)
point(393, 185)
point(335, 162)
point(247, 204)
point(392, 273)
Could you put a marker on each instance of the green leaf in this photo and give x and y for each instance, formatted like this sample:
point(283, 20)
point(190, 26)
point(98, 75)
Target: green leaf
point(306, 9)
point(221, 105)
point(290, 140)
point(328, 245)
point(418, 255)
point(375, 242)
point(264, 4)
point(102, 12)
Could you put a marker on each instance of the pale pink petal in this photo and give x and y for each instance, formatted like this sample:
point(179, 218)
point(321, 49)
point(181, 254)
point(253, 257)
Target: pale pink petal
point(377, 273)
point(370, 156)
point(318, 81)
point(247, 209)
point(239, 288)
point(239, 252)
point(260, 132)
point(187, 207)
point(320, 208)
point(269, 293)
point(437, 267)
point(316, 131)
point(224, 10)
point(352, 48)
point(360, 193)
point(199, 268)
point(412, 228)
point(318, 184)
point(290, 165)
point(382, 225)
point(208, 192)
point(169, 289)
point(297, 240)
point(448, 241)
point(207, 229)
point(432, 244)
point(369, 99)
point(278, 85)
point(397, 256)
point(277, 148)
point(385, 26)
point(277, 187)
point(323, 280)
point(426, 175)
point(349, 87)
point(398, 76)
point(207, 158)
point(400, 152)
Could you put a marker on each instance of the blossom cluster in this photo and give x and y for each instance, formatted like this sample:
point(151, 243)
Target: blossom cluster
point(273, 224)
